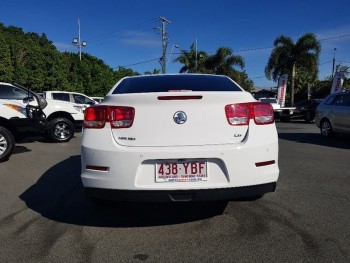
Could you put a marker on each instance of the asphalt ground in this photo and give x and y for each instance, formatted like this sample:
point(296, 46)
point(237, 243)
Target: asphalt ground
point(46, 217)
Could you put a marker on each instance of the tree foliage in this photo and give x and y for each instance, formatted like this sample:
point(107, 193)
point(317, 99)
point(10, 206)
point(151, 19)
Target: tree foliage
point(298, 60)
point(192, 60)
point(223, 62)
point(33, 61)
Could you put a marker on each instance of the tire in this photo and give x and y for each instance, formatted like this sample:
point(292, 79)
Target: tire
point(326, 129)
point(60, 130)
point(285, 119)
point(7, 144)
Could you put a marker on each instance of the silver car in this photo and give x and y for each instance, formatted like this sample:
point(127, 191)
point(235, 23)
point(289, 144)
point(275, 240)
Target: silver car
point(333, 114)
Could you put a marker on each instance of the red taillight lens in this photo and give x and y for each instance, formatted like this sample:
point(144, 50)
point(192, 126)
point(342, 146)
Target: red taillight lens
point(241, 113)
point(95, 117)
point(262, 113)
point(121, 117)
point(237, 114)
point(118, 116)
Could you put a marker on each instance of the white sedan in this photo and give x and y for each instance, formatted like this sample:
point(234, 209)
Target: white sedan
point(183, 137)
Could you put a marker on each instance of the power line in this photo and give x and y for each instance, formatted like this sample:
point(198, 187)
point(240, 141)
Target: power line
point(138, 63)
point(121, 31)
point(335, 37)
point(344, 62)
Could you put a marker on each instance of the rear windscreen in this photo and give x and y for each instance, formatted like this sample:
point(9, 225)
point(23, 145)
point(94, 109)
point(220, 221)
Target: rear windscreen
point(173, 83)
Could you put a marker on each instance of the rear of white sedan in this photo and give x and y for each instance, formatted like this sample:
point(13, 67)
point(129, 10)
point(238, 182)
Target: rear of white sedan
point(186, 137)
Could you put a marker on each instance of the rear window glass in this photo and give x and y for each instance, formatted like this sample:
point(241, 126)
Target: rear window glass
point(329, 100)
point(171, 83)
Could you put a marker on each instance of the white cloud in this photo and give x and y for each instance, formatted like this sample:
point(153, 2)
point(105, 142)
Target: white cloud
point(63, 46)
point(138, 38)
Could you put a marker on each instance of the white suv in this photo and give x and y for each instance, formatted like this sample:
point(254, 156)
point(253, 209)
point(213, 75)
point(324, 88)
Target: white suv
point(62, 117)
point(18, 119)
point(65, 113)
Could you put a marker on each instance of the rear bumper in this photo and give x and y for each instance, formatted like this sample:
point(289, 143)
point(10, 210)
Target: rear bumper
point(181, 195)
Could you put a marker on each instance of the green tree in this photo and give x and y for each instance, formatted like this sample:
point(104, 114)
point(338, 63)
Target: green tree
point(6, 68)
point(287, 57)
point(243, 80)
point(192, 60)
point(155, 71)
point(223, 62)
point(33, 61)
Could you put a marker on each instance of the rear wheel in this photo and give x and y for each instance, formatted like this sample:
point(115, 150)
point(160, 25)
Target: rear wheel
point(60, 130)
point(7, 144)
point(326, 129)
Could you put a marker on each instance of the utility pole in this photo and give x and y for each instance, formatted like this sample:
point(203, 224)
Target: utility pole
point(164, 42)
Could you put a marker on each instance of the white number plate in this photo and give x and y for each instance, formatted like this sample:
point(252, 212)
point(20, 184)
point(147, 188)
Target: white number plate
point(181, 171)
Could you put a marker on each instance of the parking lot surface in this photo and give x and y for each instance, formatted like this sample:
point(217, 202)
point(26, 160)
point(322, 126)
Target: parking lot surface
point(46, 217)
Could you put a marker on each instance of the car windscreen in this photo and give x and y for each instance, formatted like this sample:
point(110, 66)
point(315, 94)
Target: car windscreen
point(169, 83)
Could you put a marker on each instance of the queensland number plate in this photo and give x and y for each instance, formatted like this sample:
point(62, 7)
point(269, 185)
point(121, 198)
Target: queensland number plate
point(181, 171)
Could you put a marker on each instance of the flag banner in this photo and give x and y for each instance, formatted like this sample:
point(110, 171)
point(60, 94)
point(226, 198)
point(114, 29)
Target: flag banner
point(282, 88)
point(338, 81)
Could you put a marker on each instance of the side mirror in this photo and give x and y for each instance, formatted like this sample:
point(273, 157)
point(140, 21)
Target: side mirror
point(42, 103)
point(38, 101)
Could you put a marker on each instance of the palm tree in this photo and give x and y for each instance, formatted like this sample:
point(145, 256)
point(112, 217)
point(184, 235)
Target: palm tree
point(192, 60)
point(223, 61)
point(286, 57)
point(155, 71)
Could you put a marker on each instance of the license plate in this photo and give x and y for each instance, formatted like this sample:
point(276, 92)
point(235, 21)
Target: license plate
point(181, 171)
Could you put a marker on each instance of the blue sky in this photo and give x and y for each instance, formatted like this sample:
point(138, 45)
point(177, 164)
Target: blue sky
point(122, 33)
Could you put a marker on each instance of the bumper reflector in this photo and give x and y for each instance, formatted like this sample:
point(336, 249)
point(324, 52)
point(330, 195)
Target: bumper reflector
point(97, 168)
point(265, 163)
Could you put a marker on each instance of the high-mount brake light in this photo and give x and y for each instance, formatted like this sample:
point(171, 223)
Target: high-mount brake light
point(189, 97)
point(240, 113)
point(95, 117)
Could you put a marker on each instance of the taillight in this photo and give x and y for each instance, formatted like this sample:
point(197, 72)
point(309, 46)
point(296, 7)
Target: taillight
point(118, 116)
point(237, 114)
point(262, 113)
point(241, 113)
point(121, 117)
point(95, 117)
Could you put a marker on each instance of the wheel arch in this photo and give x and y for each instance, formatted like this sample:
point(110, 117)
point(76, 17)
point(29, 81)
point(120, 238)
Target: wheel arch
point(7, 124)
point(60, 114)
point(325, 119)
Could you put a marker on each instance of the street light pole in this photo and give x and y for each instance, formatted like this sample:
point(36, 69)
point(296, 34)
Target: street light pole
point(171, 52)
point(196, 56)
point(333, 62)
point(77, 41)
